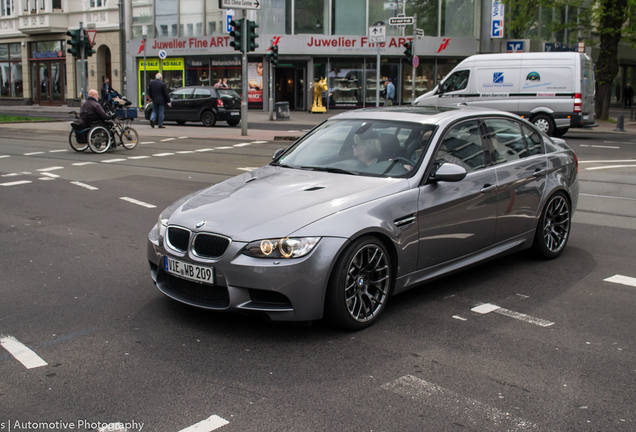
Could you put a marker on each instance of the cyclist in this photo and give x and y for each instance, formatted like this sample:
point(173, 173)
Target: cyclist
point(94, 111)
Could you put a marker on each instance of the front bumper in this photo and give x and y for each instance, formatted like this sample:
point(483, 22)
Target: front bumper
point(280, 289)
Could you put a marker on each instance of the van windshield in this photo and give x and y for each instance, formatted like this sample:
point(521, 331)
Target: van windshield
point(457, 81)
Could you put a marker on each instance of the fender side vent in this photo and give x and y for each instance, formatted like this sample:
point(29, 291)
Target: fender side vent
point(404, 221)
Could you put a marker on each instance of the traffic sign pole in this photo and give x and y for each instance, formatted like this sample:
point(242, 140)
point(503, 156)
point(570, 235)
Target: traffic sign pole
point(244, 79)
point(414, 55)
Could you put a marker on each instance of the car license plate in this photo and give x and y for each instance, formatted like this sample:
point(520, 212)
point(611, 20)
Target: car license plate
point(586, 117)
point(235, 113)
point(188, 271)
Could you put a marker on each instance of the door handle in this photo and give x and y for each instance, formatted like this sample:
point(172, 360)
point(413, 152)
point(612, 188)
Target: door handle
point(539, 172)
point(488, 188)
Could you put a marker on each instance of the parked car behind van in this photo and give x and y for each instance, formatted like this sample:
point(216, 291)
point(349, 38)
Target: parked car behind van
point(555, 91)
point(202, 104)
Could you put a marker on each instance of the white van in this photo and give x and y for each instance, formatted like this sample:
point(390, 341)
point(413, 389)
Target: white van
point(554, 90)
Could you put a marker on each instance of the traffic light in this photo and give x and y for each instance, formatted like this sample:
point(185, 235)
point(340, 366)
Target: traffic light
point(237, 34)
point(251, 36)
point(408, 52)
point(74, 43)
point(274, 55)
point(88, 48)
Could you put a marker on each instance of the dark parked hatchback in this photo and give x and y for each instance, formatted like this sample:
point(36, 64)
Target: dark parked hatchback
point(202, 104)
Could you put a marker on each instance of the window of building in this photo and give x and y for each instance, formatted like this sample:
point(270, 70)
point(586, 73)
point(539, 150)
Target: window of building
point(191, 15)
point(381, 11)
point(214, 17)
point(97, 3)
point(197, 71)
point(7, 7)
point(142, 15)
point(424, 81)
point(458, 18)
point(275, 18)
point(345, 83)
point(311, 16)
point(166, 13)
point(11, 70)
point(348, 17)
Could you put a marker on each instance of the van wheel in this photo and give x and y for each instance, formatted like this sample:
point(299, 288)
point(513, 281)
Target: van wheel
point(560, 132)
point(544, 123)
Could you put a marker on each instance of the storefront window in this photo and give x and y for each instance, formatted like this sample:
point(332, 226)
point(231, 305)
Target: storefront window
point(388, 71)
point(227, 70)
point(347, 17)
point(10, 70)
point(311, 16)
point(191, 16)
point(172, 70)
point(424, 80)
point(197, 71)
point(166, 12)
point(444, 66)
point(272, 18)
point(345, 84)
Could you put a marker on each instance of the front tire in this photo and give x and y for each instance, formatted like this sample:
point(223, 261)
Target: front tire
point(129, 138)
point(360, 285)
point(208, 119)
point(99, 139)
point(544, 123)
point(553, 230)
point(72, 140)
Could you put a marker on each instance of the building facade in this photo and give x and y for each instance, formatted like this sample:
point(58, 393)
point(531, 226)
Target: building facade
point(34, 65)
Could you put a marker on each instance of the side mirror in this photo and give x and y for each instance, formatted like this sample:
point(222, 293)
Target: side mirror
point(450, 172)
point(277, 153)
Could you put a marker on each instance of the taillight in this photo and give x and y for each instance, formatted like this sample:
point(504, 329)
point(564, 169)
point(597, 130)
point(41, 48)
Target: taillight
point(576, 163)
point(219, 103)
point(578, 102)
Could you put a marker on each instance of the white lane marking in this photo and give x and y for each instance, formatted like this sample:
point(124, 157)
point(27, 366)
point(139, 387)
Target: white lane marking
point(11, 175)
point(487, 308)
point(48, 174)
point(457, 317)
point(259, 142)
point(84, 185)
point(608, 196)
point(623, 280)
point(609, 147)
point(113, 160)
point(204, 150)
point(50, 168)
point(147, 142)
point(21, 352)
point(241, 144)
point(608, 161)
point(163, 154)
point(610, 167)
point(33, 153)
point(46, 178)
point(168, 139)
point(247, 168)
point(4, 156)
point(134, 201)
point(182, 137)
point(207, 425)
point(469, 410)
point(185, 152)
point(138, 157)
point(58, 151)
point(223, 148)
point(15, 183)
point(83, 163)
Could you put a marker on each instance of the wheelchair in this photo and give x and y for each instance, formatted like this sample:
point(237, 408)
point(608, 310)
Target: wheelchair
point(105, 135)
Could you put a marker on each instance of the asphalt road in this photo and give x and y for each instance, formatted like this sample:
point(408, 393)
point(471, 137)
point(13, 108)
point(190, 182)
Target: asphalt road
point(558, 355)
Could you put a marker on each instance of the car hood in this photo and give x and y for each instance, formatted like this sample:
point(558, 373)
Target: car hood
point(275, 201)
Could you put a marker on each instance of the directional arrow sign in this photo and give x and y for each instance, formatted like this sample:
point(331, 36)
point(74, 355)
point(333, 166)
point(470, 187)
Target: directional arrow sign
point(377, 34)
point(239, 4)
point(401, 21)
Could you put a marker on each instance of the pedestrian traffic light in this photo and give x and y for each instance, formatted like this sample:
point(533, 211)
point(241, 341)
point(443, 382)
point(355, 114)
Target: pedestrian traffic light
point(408, 52)
point(251, 36)
point(274, 55)
point(74, 43)
point(237, 34)
point(88, 48)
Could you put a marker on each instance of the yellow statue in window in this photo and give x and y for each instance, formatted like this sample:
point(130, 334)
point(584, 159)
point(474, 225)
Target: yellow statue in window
point(319, 87)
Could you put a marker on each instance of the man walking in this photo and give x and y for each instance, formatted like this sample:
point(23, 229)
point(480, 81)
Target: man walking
point(390, 93)
point(158, 93)
point(628, 95)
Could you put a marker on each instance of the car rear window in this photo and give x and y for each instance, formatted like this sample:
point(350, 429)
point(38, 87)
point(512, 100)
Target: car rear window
point(228, 93)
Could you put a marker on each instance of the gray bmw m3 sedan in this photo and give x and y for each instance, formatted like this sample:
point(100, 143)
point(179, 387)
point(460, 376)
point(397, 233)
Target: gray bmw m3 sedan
point(366, 205)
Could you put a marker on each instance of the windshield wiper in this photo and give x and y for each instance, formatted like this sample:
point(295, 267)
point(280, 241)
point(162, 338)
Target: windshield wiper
point(330, 169)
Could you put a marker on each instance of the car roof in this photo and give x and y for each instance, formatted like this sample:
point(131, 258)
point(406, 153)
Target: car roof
point(419, 114)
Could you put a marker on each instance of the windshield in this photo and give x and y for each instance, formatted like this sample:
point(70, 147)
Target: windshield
point(361, 147)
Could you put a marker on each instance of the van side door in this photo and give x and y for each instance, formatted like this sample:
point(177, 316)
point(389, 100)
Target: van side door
point(497, 88)
point(455, 88)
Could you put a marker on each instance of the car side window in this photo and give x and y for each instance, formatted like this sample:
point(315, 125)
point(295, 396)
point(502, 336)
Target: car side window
point(457, 81)
point(508, 142)
point(534, 140)
point(202, 93)
point(180, 94)
point(462, 146)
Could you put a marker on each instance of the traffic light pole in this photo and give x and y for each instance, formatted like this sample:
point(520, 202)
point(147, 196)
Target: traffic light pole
point(244, 79)
point(271, 79)
point(82, 71)
point(412, 62)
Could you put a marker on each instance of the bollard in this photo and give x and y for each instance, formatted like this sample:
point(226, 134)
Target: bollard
point(620, 123)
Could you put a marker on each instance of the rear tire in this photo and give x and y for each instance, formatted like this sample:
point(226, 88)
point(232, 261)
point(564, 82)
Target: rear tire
point(99, 139)
point(208, 119)
point(233, 122)
point(129, 138)
point(544, 123)
point(560, 132)
point(180, 122)
point(553, 229)
point(72, 140)
point(360, 284)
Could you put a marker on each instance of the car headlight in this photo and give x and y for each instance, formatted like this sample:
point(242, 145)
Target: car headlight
point(294, 247)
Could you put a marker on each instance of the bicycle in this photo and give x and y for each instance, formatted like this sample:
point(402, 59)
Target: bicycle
point(78, 138)
point(102, 136)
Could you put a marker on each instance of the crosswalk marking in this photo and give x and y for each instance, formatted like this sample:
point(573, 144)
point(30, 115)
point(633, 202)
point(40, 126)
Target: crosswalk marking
point(623, 280)
point(168, 139)
point(113, 160)
point(33, 153)
point(140, 203)
point(83, 163)
point(207, 425)
point(84, 185)
point(15, 183)
point(163, 154)
point(21, 352)
point(54, 168)
point(487, 308)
